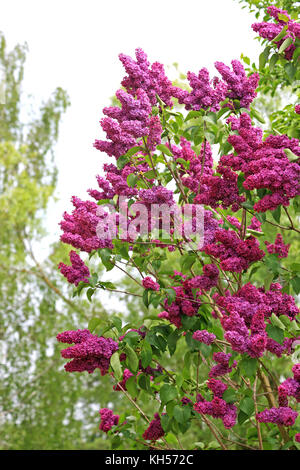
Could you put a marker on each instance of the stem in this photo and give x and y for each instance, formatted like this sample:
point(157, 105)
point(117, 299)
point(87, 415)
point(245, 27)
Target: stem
point(140, 410)
point(122, 292)
point(198, 363)
point(256, 411)
point(211, 427)
point(150, 156)
point(129, 275)
point(272, 402)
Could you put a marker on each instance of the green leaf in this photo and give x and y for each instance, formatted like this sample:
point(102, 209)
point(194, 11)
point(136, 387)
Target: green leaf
point(263, 57)
point(122, 161)
point(296, 284)
point(132, 387)
point(193, 115)
point(150, 174)
point(291, 155)
point(230, 395)
point(286, 43)
point(276, 214)
point(249, 366)
point(242, 417)
point(116, 365)
point(167, 393)
point(240, 181)
point(274, 58)
point(275, 333)
point(187, 261)
point(171, 295)
point(89, 293)
point(272, 263)
point(179, 380)
point(117, 323)
point(276, 322)
point(134, 150)
point(296, 53)
point(144, 382)
point(93, 323)
point(247, 205)
point(283, 17)
point(146, 297)
point(255, 232)
point(184, 162)
point(247, 406)
point(164, 149)
point(146, 354)
point(105, 255)
point(131, 358)
point(290, 70)
point(116, 442)
point(257, 115)
point(165, 422)
point(280, 35)
point(268, 280)
point(172, 341)
point(179, 414)
point(132, 180)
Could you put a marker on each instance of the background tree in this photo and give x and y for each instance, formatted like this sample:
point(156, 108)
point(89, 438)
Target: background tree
point(41, 407)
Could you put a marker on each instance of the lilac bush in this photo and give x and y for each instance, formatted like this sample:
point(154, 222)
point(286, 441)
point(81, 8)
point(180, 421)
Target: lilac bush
point(226, 303)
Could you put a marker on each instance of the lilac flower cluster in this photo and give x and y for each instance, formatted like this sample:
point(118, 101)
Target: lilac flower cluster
point(108, 419)
point(154, 430)
point(126, 375)
point(205, 93)
point(290, 387)
point(235, 255)
point(297, 109)
point(204, 336)
point(234, 221)
point(217, 387)
point(248, 309)
point(115, 182)
point(148, 283)
point(207, 280)
point(211, 225)
point(150, 79)
point(284, 416)
point(126, 124)
point(184, 304)
point(239, 86)
point(186, 401)
point(220, 189)
point(77, 272)
point(222, 366)
point(156, 195)
point(264, 163)
point(278, 247)
point(255, 224)
point(80, 227)
point(217, 407)
point(208, 94)
point(269, 30)
point(200, 165)
point(90, 352)
point(237, 334)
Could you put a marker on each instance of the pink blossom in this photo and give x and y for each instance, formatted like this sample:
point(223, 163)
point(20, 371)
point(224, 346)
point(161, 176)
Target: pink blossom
point(77, 272)
point(108, 419)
